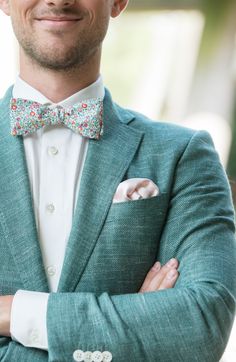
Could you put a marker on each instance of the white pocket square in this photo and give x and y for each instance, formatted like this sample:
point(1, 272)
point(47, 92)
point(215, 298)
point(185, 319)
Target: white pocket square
point(135, 189)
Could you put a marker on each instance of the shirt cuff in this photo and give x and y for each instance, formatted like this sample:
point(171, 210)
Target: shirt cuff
point(28, 324)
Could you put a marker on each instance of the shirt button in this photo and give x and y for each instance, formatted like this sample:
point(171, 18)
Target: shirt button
point(78, 355)
point(50, 208)
point(53, 151)
point(88, 356)
point(51, 270)
point(34, 336)
point(107, 356)
point(97, 356)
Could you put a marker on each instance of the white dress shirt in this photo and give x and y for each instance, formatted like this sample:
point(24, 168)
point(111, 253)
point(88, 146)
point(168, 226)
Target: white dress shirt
point(55, 156)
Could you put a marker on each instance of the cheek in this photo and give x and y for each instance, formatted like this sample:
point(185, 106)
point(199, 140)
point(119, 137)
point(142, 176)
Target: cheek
point(20, 24)
point(97, 10)
point(15, 15)
point(21, 9)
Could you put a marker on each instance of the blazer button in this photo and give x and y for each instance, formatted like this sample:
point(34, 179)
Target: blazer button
point(78, 355)
point(97, 356)
point(107, 356)
point(88, 356)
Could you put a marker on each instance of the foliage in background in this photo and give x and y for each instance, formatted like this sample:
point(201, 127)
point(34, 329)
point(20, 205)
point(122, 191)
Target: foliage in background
point(216, 13)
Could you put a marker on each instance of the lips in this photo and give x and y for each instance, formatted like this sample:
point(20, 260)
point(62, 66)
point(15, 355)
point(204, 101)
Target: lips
point(58, 22)
point(58, 19)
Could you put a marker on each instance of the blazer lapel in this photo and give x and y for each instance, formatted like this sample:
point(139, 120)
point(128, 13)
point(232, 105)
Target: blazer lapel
point(16, 209)
point(106, 163)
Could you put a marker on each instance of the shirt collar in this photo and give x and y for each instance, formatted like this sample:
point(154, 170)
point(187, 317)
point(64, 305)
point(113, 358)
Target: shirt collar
point(23, 90)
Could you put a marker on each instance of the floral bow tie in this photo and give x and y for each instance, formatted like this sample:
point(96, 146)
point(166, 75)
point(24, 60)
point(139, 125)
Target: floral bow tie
point(84, 118)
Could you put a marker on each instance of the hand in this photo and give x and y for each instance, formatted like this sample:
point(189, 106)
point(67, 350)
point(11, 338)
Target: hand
point(5, 314)
point(161, 277)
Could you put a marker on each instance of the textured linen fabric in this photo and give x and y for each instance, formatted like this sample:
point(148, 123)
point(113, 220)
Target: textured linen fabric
point(53, 177)
point(112, 246)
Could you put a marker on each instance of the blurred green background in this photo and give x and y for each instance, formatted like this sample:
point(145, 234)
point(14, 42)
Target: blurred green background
point(175, 60)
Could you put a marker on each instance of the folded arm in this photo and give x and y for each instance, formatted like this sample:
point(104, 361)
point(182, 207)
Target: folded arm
point(23, 316)
point(191, 321)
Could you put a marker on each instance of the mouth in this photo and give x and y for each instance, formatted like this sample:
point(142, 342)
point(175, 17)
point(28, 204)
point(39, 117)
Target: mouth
point(58, 21)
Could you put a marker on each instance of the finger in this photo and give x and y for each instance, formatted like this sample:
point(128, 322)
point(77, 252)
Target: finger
point(157, 279)
point(157, 274)
point(150, 275)
point(172, 263)
point(169, 280)
point(163, 279)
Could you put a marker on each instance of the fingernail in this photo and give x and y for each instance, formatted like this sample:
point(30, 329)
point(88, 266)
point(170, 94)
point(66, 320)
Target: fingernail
point(172, 262)
point(156, 266)
point(172, 274)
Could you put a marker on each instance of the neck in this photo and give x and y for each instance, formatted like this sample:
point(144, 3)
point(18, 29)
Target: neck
point(59, 85)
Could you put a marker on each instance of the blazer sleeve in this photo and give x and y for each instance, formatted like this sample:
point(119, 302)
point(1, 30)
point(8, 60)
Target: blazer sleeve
point(12, 351)
point(190, 322)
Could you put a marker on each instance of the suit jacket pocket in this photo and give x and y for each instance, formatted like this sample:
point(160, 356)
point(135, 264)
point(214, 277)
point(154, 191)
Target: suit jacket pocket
point(127, 246)
point(138, 209)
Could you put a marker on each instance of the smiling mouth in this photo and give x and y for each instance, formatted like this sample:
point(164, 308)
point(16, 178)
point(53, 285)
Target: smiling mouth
point(58, 21)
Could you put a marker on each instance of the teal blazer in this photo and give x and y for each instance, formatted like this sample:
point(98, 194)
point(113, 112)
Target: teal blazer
point(112, 246)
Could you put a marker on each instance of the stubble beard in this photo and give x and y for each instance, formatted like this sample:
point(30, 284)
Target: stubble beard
point(68, 59)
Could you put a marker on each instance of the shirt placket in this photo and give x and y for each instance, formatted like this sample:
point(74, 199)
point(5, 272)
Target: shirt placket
point(53, 222)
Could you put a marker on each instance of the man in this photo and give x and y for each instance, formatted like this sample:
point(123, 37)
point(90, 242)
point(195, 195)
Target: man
point(92, 195)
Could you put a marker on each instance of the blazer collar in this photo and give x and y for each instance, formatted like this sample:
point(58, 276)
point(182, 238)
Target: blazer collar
point(106, 163)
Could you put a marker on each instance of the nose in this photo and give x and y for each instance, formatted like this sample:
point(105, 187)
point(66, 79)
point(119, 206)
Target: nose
point(60, 3)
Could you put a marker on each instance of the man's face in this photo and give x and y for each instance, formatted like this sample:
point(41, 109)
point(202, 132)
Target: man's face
point(59, 34)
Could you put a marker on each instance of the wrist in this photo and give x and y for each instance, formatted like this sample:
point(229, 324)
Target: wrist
point(5, 314)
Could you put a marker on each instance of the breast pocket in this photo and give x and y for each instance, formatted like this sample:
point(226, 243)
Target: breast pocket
point(135, 226)
point(135, 210)
point(128, 245)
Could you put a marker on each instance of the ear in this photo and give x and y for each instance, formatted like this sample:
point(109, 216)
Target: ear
point(5, 6)
point(117, 7)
